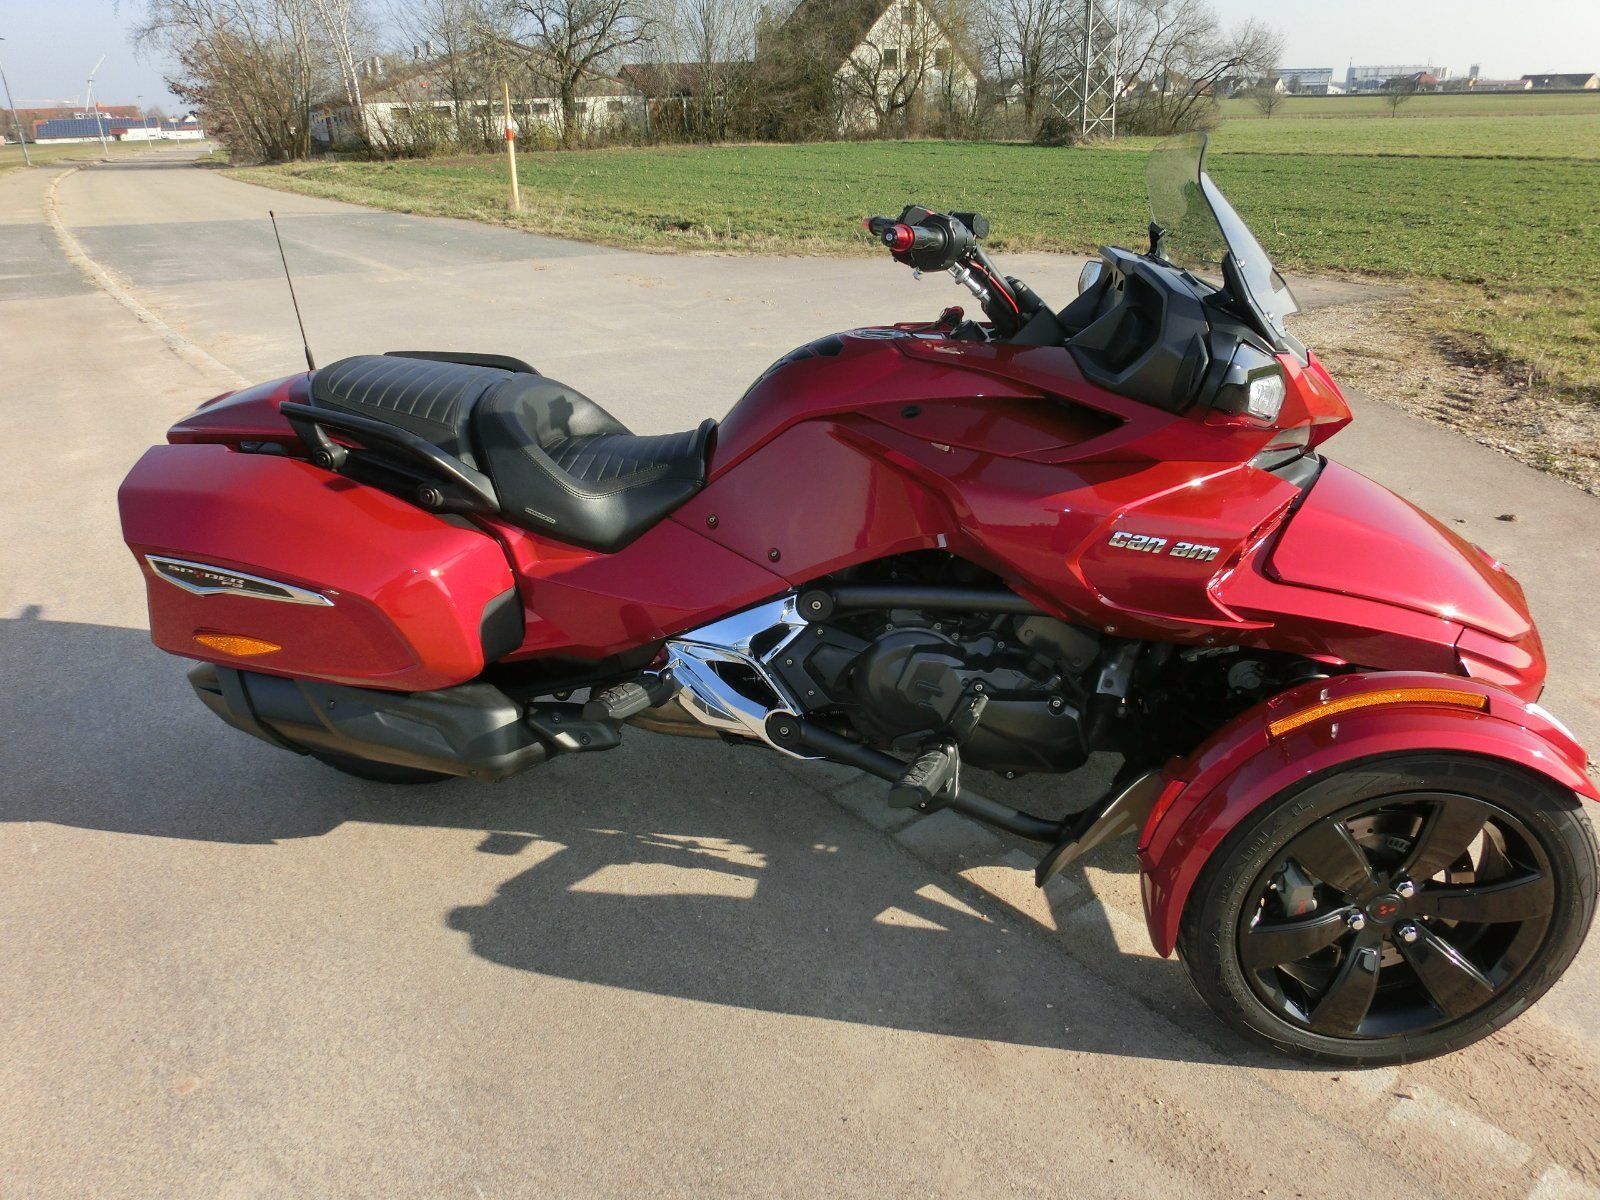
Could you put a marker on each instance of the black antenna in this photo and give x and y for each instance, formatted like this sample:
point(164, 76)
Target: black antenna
point(293, 299)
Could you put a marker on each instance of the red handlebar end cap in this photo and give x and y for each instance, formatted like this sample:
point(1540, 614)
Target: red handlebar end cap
point(899, 238)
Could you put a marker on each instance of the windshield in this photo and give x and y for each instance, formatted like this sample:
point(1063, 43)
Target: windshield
point(1199, 227)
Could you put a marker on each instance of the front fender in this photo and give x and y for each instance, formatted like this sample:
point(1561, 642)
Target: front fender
point(1242, 766)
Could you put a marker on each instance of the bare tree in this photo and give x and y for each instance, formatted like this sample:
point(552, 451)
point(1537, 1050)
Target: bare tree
point(695, 70)
point(794, 96)
point(567, 42)
point(1398, 90)
point(1027, 42)
point(1177, 54)
point(885, 81)
point(246, 65)
point(468, 61)
point(343, 23)
point(1267, 98)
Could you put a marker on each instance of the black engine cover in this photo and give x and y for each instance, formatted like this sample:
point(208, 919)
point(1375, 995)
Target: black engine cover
point(910, 682)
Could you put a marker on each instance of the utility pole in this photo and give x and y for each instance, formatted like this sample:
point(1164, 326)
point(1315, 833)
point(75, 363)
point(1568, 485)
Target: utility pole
point(511, 146)
point(88, 96)
point(1087, 84)
point(12, 105)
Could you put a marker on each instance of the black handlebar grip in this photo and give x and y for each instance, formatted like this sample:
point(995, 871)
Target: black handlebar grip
point(908, 239)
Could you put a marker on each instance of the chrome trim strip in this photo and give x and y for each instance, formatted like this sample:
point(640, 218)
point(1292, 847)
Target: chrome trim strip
point(253, 587)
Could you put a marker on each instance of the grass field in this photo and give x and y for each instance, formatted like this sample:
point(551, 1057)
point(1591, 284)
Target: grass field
point(44, 156)
point(1496, 218)
point(1485, 104)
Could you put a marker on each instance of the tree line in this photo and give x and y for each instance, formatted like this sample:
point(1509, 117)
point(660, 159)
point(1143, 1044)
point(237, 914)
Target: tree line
point(265, 73)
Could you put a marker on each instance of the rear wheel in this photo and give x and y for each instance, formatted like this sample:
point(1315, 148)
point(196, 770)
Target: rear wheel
point(1397, 910)
point(378, 772)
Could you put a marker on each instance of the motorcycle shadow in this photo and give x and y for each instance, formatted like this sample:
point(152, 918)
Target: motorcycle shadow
point(681, 868)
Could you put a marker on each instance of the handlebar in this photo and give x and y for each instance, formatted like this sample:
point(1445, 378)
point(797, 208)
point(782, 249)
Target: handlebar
point(931, 241)
point(907, 239)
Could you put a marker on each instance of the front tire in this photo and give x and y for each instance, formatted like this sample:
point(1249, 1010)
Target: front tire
point(1396, 910)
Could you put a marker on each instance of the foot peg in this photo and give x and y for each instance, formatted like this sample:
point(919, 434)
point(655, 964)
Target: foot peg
point(628, 699)
point(930, 777)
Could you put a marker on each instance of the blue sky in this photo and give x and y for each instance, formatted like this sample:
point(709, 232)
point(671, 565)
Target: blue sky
point(1526, 38)
point(51, 44)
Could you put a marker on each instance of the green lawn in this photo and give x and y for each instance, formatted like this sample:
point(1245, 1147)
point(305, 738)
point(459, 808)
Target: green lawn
point(1510, 243)
point(1486, 104)
point(1559, 135)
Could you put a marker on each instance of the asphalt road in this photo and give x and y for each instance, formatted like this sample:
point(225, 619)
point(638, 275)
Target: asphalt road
point(674, 970)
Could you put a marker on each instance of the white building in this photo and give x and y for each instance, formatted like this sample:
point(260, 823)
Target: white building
point(412, 107)
point(888, 58)
point(1305, 81)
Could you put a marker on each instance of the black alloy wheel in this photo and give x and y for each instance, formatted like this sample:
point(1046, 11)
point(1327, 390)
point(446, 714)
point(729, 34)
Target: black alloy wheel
point(1393, 911)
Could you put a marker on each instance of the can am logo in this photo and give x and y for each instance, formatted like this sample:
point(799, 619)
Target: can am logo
point(1147, 543)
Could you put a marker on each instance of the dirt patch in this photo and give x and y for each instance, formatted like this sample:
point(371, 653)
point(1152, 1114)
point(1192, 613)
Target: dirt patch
point(1383, 347)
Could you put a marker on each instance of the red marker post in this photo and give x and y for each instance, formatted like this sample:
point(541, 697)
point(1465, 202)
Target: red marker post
point(511, 147)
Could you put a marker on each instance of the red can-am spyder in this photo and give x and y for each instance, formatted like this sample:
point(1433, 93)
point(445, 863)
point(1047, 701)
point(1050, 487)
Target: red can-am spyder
point(1005, 544)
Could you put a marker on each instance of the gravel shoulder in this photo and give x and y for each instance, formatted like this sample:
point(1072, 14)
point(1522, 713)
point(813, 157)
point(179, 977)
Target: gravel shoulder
point(1382, 345)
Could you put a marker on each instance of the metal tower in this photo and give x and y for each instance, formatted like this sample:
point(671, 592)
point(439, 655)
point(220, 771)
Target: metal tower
point(1084, 87)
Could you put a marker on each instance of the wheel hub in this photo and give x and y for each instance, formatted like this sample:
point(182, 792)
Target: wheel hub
point(1386, 909)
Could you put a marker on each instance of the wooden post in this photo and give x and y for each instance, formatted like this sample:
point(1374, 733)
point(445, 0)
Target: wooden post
point(511, 146)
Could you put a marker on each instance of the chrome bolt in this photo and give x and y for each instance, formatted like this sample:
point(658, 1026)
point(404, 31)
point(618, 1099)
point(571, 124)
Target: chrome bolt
point(1407, 933)
point(1405, 889)
point(1356, 921)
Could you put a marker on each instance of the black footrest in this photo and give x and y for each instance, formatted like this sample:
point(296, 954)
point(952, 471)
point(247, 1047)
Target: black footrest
point(626, 699)
point(927, 778)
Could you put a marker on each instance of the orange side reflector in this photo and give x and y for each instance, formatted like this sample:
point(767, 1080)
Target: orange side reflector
point(1332, 708)
point(236, 645)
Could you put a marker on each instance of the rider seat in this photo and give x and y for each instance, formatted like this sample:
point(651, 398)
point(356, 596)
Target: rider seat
point(561, 465)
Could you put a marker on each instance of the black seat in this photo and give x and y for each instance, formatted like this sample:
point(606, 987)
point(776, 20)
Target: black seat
point(432, 399)
point(565, 466)
point(559, 462)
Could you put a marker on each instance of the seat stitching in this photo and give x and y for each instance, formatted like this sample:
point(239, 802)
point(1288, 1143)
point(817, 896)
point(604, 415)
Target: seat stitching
point(556, 474)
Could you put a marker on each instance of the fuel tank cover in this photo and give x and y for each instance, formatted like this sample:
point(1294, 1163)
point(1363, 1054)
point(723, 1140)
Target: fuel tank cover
point(1352, 536)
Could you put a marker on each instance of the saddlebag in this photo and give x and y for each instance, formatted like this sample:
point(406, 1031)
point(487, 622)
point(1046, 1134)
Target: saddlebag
point(273, 565)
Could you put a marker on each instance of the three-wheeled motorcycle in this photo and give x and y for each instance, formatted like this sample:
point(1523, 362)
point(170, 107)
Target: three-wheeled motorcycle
point(1002, 543)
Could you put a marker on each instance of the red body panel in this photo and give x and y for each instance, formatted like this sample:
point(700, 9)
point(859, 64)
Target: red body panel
point(1241, 767)
point(1354, 537)
point(583, 604)
point(408, 589)
point(248, 415)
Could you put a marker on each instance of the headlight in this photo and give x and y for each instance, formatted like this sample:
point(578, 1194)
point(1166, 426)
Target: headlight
point(1265, 396)
point(1089, 277)
point(1252, 385)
